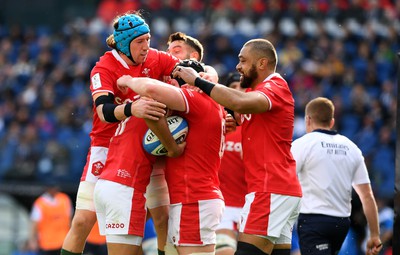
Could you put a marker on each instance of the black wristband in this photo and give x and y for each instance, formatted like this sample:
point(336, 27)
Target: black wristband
point(127, 109)
point(229, 111)
point(204, 85)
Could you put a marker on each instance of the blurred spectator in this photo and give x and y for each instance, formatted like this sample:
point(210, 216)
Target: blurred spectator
point(109, 9)
point(366, 137)
point(95, 243)
point(51, 217)
point(386, 220)
point(344, 50)
point(383, 163)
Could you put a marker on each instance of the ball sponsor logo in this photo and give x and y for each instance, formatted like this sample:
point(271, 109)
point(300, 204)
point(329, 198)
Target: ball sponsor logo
point(179, 129)
point(150, 137)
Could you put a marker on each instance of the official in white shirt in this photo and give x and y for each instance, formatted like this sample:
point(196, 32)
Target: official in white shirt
point(329, 165)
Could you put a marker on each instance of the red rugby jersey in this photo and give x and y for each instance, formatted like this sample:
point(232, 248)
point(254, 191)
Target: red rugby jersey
point(127, 162)
point(194, 175)
point(266, 140)
point(104, 78)
point(231, 173)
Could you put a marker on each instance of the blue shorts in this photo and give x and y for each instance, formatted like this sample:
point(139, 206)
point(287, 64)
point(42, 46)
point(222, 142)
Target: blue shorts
point(321, 234)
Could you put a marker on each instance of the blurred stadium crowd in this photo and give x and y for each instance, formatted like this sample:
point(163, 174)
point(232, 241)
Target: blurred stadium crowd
point(343, 50)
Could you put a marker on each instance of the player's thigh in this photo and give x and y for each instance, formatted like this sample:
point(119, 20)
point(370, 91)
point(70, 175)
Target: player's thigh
point(94, 166)
point(157, 192)
point(84, 197)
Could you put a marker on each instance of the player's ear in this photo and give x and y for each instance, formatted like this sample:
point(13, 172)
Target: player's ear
point(332, 123)
point(195, 55)
point(262, 63)
point(307, 119)
point(307, 123)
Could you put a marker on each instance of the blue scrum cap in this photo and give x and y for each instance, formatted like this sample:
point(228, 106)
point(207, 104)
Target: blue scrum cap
point(128, 28)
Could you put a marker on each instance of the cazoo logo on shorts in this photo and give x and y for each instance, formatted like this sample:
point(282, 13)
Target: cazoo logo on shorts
point(115, 225)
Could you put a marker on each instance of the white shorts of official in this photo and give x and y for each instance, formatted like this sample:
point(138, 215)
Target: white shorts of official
point(270, 215)
point(95, 163)
point(231, 218)
point(121, 212)
point(157, 190)
point(194, 224)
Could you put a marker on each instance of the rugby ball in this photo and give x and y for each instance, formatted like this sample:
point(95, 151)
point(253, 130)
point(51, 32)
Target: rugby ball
point(179, 129)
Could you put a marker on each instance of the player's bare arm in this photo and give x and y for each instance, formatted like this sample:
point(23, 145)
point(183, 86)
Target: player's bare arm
point(161, 130)
point(148, 108)
point(108, 111)
point(250, 102)
point(157, 90)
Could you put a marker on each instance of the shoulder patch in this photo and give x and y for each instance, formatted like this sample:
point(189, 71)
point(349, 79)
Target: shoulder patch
point(267, 85)
point(96, 82)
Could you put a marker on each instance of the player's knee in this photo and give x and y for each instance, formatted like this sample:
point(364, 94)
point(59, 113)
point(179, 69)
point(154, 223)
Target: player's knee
point(82, 221)
point(160, 217)
point(160, 222)
point(281, 252)
point(224, 241)
point(247, 248)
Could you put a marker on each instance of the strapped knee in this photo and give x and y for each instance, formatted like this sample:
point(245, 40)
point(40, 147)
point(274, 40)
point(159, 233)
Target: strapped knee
point(247, 248)
point(224, 240)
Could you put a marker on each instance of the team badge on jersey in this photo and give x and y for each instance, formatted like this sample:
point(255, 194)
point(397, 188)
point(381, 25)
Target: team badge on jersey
point(96, 81)
point(97, 168)
point(146, 72)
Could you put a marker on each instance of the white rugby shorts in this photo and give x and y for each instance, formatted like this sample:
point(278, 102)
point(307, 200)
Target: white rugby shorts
point(194, 224)
point(270, 215)
point(96, 159)
point(121, 212)
point(231, 218)
point(95, 162)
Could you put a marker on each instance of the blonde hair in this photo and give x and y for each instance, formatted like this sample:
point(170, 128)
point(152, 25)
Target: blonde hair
point(321, 110)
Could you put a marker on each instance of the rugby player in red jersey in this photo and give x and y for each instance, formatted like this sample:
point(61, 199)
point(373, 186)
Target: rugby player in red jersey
point(196, 200)
point(267, 115)
point(232, 183)
point(130, 55)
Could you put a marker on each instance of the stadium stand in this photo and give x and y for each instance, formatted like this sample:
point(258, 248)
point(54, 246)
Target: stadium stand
point(344, 50)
